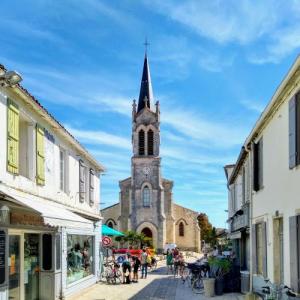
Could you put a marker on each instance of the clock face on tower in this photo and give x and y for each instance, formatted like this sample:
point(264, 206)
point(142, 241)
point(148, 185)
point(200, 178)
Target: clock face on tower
point(146, 170)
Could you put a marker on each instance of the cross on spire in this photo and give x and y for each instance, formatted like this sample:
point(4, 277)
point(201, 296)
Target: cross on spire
point(146, 44)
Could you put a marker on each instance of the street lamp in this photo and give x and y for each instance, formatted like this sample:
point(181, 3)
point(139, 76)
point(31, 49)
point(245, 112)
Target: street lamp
point(9, 78)
point(4, 215)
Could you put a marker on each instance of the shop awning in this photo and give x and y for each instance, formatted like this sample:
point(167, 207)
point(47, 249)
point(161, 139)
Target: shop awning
point(53, 214)
point(110, 231)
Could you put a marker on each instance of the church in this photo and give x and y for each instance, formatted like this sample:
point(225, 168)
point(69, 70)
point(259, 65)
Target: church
point(146, 198)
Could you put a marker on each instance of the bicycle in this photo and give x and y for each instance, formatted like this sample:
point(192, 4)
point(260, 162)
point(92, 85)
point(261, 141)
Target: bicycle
point(276, 292)
point(112, 273)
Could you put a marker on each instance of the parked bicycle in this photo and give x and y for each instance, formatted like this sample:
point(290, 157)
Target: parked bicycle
point(193, 275)
point(112, 273)
point(277, 292)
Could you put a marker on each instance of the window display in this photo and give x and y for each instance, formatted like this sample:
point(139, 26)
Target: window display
point(80, 257)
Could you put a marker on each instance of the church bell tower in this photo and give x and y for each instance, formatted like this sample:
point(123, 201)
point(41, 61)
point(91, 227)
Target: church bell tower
point(147, 197)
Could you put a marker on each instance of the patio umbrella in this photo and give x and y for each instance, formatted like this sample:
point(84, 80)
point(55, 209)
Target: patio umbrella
point(110, 231)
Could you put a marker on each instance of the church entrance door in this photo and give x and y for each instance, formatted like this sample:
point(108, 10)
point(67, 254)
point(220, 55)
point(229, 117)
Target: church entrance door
point(149, 237)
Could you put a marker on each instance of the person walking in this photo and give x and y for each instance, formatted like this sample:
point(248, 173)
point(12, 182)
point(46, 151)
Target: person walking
point(126, 268)
point(144, 258)
point(136, 265)
point(169, 261)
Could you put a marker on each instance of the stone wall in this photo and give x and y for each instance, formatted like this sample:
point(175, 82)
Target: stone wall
point(191, 239)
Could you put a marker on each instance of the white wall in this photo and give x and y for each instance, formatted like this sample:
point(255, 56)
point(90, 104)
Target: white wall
point(281, 186)
point(51, 189)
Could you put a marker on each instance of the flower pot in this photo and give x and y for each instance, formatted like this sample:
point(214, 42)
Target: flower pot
point(209, 287)
point(219, 286)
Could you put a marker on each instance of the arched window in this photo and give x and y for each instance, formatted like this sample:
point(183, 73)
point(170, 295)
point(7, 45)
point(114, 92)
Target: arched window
point(146, 196)
point(110, 224)
point(150, 142)
point(141, 142)
point(181, 229)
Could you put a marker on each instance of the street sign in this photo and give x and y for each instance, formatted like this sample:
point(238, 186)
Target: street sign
point(106, 241)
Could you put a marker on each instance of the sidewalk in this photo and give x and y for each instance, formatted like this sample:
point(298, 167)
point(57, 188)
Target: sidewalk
point(157, 286)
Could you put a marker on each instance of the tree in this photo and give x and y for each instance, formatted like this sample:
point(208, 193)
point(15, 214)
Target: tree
point(205, 227)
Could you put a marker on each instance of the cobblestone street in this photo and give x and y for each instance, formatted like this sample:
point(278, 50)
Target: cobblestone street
point(157, 286)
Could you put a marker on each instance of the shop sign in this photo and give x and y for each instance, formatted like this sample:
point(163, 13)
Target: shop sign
point(106, 241)
point(17, 218)
point(2, 257)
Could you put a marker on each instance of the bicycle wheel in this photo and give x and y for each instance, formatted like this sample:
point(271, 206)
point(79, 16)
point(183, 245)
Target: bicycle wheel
point(197, 286)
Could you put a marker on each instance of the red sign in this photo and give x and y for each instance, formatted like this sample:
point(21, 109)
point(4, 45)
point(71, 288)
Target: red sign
point(106, 241)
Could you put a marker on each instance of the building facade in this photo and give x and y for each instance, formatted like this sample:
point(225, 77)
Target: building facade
point(146, 199)
point(239, 196)
point(272, 148)
point(50, 224)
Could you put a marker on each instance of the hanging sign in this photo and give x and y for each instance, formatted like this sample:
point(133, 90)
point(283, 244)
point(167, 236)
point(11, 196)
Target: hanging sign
point(106, 241)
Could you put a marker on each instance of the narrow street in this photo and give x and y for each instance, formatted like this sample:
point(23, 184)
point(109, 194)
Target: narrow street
point(157, 286)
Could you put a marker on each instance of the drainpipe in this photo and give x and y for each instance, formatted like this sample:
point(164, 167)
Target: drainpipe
point(248, 150)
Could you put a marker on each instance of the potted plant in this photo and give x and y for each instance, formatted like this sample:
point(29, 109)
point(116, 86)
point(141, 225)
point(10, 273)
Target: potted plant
point(219, 267)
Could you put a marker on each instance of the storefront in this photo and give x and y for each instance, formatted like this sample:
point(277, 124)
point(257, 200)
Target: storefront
point(47, 252)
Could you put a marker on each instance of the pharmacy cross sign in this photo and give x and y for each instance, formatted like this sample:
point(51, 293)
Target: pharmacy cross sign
point(106, 241)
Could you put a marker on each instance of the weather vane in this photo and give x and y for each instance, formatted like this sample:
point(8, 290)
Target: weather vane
point(146, 44)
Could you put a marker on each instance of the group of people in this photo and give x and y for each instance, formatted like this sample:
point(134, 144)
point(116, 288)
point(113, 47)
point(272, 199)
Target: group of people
point(131, 265)
point(175, 259)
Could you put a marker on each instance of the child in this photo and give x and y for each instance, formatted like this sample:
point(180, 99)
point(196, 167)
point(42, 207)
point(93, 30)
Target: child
point(136, 265)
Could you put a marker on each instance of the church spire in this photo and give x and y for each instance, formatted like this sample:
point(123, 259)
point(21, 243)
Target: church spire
point(146, 93)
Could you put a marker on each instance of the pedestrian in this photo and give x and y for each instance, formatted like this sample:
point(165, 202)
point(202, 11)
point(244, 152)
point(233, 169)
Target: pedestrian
point(215, 252)
point(169, 261)
point(126, 268)
point(175, 253)
point(180, 260)
point(136, 265)
point(144, 258)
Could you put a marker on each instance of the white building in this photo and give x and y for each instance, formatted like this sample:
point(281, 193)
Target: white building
point(239, 196)
point(49, 203)
point(273, 147)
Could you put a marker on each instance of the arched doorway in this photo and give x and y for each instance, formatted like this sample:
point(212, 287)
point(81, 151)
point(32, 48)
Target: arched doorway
point(149, 237)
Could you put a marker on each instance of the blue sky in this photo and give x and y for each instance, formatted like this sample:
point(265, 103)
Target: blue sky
point(214, 66)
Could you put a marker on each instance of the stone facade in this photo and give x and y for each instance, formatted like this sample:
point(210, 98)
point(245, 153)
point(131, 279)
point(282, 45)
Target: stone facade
point(146, 199)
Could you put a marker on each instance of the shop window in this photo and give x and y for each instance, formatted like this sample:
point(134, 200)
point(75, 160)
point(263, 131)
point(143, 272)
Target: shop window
point(79, 257)
point(181, 229)
point(47, 252)
point(58, 251)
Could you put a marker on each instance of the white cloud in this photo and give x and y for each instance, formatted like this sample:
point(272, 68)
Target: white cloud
point(99, 137)
point(275, 24)
point(253, 105)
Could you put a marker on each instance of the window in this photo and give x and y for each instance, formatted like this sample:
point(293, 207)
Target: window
point(40, 155)
point(258, 165)
point(62, 171)
point(150, 142)
point(146, 196)
point(81, 181)
point(92, 174)
point(181, 229)
point(47, 252)
point(79, 257)
point(23, 147)
point(141, 142)
point(110, 224)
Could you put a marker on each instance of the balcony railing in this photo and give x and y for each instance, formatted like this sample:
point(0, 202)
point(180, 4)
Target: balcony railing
point(240, 221)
